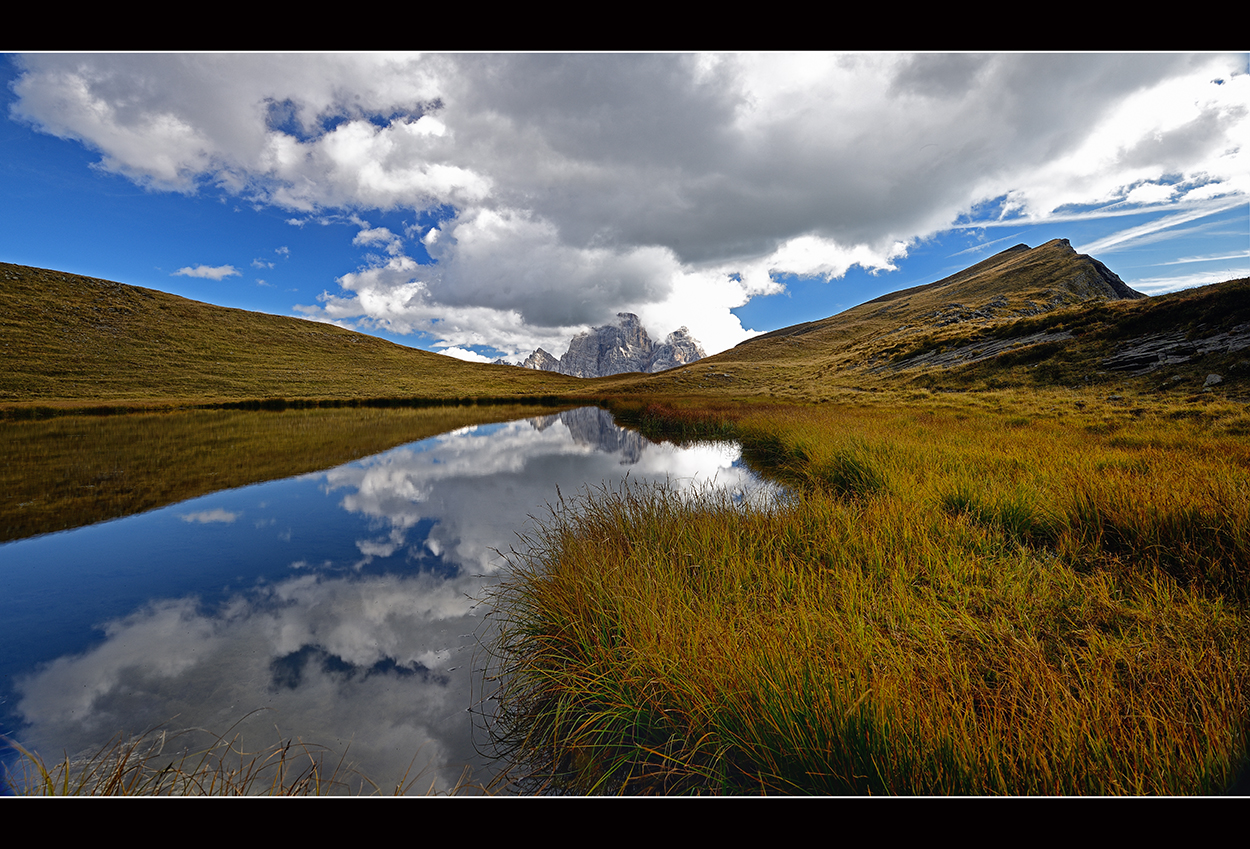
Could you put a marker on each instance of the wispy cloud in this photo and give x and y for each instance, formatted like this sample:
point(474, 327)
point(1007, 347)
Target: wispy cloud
point(1217, 258)
point(1163, 285)
point(1151, 229)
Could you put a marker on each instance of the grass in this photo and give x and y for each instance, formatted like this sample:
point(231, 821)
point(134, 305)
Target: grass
point(159, 763)
point(73, 341)
point(952, 601)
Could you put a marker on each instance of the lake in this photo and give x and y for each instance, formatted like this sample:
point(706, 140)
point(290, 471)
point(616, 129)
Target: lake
point(342, 607)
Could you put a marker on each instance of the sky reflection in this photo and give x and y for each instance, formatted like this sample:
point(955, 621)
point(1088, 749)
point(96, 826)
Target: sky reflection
point(344, 603)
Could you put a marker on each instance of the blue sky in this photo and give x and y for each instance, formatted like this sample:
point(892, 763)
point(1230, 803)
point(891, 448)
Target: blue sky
point(485, 205)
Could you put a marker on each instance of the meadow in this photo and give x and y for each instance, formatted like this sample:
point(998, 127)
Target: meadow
point(980, 594)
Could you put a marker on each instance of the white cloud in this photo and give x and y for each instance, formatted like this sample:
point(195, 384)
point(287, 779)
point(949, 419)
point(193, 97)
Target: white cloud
point(219, 272)
point(675, 186)
point(1150, 230)
point(1163, 285)
point(465, 354)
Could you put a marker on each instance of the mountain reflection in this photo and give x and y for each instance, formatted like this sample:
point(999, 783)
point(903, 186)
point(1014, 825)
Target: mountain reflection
point(594, 426)
point(344, 602)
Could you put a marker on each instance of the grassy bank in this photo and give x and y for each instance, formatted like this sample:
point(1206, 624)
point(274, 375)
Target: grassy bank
point(1032, 595)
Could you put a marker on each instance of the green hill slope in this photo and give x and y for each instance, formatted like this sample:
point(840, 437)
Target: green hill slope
point(73, 339)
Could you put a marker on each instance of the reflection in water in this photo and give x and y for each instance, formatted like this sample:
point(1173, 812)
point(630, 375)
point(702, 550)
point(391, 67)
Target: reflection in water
point(341, 600)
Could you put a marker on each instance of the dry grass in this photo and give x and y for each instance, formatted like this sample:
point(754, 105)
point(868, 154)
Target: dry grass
point(954, 600)
point(84, 341)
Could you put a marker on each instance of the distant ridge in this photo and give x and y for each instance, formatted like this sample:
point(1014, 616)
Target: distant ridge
point(1044, 316)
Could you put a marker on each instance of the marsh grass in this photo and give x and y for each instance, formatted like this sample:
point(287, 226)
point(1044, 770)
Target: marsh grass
point(162, 763)
point(951, 602)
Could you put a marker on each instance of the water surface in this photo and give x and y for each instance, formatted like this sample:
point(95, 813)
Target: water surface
point(346, 603)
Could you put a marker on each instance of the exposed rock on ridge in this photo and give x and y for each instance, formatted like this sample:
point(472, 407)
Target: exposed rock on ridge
point(618, 348)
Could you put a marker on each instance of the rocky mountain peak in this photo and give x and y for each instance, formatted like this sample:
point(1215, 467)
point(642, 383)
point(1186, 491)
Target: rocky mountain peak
point(619, 348)
point(540, 360)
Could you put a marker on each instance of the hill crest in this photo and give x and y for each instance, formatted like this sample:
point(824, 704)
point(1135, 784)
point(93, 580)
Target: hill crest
point(1019, 281)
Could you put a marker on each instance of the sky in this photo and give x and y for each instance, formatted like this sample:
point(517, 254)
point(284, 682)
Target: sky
point(484, 205)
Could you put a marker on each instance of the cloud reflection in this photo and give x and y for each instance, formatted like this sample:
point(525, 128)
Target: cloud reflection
point(205, 517)
point(378, 662)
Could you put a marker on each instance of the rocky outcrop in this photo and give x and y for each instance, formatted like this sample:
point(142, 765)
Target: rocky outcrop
point(618, 348)
point(1156, 350)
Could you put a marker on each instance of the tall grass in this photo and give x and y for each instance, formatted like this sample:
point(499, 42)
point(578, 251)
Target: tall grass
point(947, 605)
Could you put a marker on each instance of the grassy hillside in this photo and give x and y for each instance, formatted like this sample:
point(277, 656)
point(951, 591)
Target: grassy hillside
point(1037, 318)
point(1040, 317)
point(76, 340)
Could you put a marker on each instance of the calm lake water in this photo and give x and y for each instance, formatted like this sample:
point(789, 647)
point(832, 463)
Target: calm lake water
point(347, 603)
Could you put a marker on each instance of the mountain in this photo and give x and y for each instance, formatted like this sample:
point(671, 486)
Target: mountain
point(1020, 281)
point(1044, 316)
point(540, 360)
point(617, 349)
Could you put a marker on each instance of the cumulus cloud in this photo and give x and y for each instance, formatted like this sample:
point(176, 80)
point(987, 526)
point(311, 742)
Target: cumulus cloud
point(465, 354)
point(569, 188)
point(219, 272)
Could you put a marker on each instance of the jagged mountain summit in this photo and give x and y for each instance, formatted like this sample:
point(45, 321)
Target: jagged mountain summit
point(619, 348)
